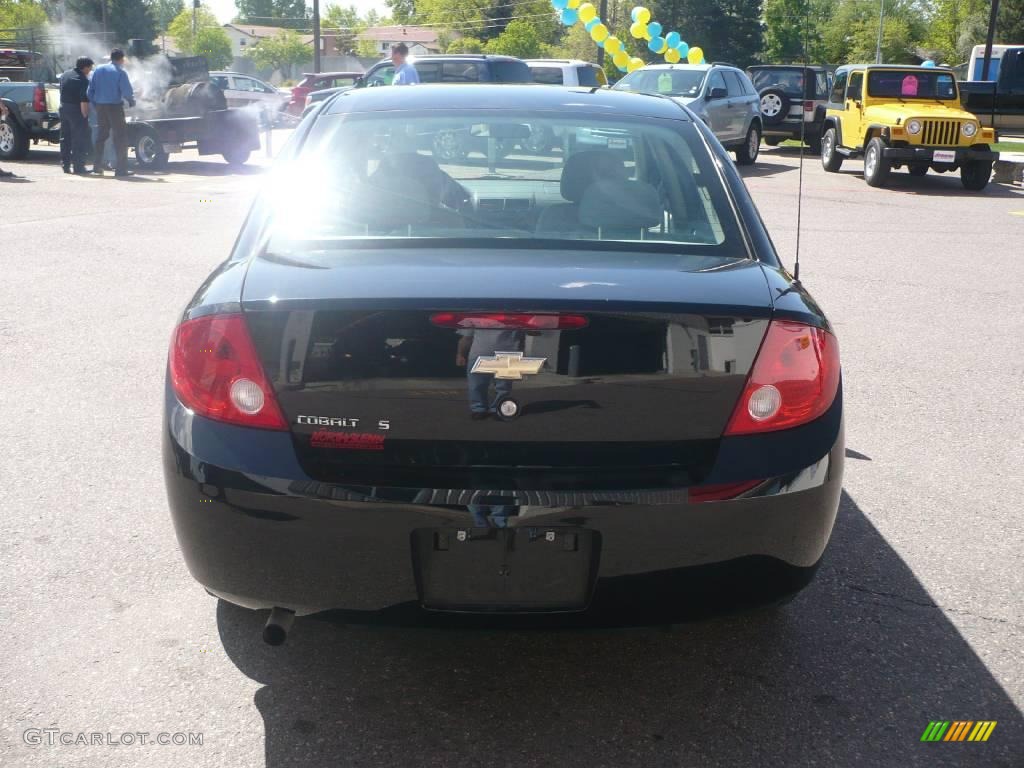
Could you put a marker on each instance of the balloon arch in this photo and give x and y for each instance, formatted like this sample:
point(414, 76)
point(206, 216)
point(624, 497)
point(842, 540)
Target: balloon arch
point(671, 46)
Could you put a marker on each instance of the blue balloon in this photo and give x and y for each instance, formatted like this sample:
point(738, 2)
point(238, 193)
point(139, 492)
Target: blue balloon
point(673, 39)
point(600, 43)
point(570, 17)
point(656, 44)
point(928, 64)
point(592, 23)
point(560, 5)
point(654, 29)
point(683, 49)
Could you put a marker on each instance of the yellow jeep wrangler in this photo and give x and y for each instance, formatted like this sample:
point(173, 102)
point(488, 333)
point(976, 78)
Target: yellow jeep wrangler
point(904, 115)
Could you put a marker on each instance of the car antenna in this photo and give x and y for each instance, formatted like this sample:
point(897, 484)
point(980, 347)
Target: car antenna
point(803, 133)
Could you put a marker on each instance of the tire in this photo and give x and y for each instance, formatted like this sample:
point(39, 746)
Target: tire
point(149, 150)
point(876, 167)
point(831, 160)
point(450, 146)
point(774, 105)
point(237, 156)
point(975, 174)
point(13, 141)
point(747, 153)
point(813, 141)
point(917, 170)
point(773, 141)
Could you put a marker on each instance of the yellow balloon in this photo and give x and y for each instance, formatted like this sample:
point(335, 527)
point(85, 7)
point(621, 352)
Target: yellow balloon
point(695, 55)
point(671, 55)
point(587, 12)
point(643, 15)
point(574, 4)
point(613, 45)
point(638, 30)
point(599, 33)
point(634, 64)
point(620, 59)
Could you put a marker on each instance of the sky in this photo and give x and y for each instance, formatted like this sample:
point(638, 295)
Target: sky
point(225, 10)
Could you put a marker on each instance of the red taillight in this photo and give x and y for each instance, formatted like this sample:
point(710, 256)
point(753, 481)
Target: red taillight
point(794, 380)
point(299, 94)
point(808, 106)
point(509, 320)
point(721, 491)
point(39, 99)
point(215, 372)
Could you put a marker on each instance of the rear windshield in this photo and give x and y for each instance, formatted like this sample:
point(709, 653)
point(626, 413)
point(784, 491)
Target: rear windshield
point(499, 179)
point(792, 80)
point(912, 84)
point(667, 82)
point(510, 72)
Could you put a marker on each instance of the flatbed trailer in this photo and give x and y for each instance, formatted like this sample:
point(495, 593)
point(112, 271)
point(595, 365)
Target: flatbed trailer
point(231, 133)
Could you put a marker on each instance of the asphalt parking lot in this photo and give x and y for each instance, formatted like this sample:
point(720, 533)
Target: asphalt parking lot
point(916, 614)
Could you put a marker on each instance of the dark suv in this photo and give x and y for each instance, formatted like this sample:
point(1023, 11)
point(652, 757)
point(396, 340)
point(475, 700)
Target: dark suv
point(439, 68)
point(793, 97)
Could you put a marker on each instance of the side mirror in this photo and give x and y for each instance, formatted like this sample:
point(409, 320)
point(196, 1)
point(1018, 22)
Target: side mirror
point(717, 93)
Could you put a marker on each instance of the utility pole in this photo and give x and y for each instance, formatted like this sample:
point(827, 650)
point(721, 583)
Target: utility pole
point(316, 35)
point(600, 49)
point(195, 8)
point(103, 14)
point(988, 41)
point(878, 45)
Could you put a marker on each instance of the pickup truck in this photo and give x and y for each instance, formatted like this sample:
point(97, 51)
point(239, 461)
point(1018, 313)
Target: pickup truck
point(999, 102)
point(32, 107)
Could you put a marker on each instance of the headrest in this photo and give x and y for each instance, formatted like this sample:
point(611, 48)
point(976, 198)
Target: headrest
point(386, 203)
point(584, 168)
point(617, 205)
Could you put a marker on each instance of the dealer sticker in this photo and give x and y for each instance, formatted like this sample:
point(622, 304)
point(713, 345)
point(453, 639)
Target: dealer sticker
point(944, 156)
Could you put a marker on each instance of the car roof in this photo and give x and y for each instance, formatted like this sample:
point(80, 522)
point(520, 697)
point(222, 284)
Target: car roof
point(699, 67)
point(815, 67)
point(471, 56)
point(897, 67)
point(331, 74)
point(569, 62)
point(505, 97)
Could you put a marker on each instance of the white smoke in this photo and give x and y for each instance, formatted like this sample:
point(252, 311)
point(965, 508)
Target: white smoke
point(150, 78)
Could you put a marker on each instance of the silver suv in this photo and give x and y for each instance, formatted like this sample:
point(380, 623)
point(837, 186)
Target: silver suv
point(572, 72)
point(720, 95)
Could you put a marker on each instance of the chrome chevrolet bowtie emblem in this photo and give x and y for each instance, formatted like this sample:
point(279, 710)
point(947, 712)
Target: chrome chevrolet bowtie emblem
point(508, 365)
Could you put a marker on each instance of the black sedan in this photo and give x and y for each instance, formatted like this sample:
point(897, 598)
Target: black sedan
point(574, 384)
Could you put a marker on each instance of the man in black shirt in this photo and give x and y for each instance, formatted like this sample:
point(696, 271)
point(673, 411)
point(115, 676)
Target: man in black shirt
point(74, 116)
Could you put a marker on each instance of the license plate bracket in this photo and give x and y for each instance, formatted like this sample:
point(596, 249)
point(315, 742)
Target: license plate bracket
point(510, 570)
point(944, 156)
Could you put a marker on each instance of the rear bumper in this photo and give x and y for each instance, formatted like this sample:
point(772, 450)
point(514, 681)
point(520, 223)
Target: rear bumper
point(924, 154)
point(258, 532)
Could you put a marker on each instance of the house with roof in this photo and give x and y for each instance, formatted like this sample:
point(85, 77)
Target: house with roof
point(421, 40)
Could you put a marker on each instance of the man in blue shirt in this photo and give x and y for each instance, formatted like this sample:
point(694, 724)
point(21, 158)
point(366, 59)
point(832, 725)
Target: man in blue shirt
point(405, 73)
point(109, 89)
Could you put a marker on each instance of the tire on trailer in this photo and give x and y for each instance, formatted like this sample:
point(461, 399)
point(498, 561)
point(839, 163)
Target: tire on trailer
point(149, 150)
point(774, 105)
point(236, 156)
point(14, 140)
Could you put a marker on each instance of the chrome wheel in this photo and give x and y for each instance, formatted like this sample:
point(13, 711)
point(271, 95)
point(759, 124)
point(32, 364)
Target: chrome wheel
point(146, 150)
point(771, 105)
point(753, 142)
point(871, 161)
point(6, 138)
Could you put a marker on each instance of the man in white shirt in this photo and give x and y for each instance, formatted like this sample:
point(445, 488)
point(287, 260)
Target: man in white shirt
point(405, 73)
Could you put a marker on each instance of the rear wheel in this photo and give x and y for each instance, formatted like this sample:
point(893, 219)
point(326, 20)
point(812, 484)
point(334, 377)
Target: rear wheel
point(13, 140)
point(917, 170)
point(773, 141)
point(237, 156)
point(975, 174)
point(747, 153)
point(813, 141)
point(149, 150)
point(876, 167)
point(831, 160)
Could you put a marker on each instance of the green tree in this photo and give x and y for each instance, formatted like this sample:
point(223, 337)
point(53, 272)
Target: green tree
point(790, 27)
point(851, 34)
point(276, 13)
point(131, 19)
point(281, 52)
point(1010, 22)
point(344, 23)
point(210, 39)
point(727, 30)
point(165, 11)
point(466, 45)
point(22, 14)
point(402, 11)
point(520, 38)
